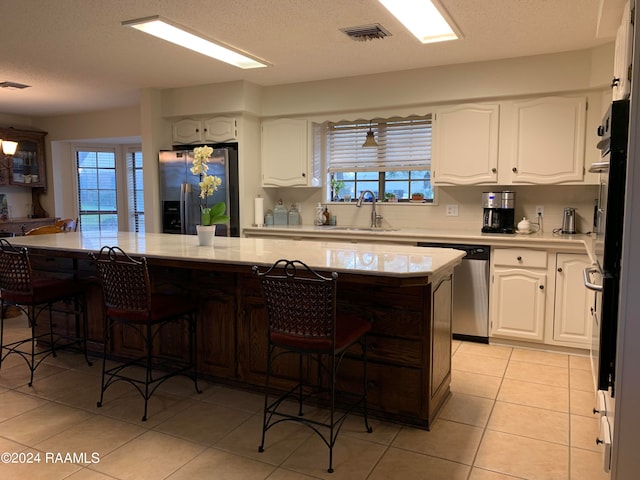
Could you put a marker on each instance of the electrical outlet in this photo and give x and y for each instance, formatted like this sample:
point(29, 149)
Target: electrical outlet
point(452, 210)
point(540, 211)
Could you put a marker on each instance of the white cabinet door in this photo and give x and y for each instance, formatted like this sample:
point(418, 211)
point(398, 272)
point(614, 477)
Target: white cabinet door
point(220, 129)
point(465, 145)
point(518, 304)
point(187, 131)
point(622, 59)
point(548, 140)
point(572, 316)
point(285, 152)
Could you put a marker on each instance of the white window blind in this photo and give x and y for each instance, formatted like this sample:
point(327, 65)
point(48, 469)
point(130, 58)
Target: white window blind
point(403, 144)
point(135, 190)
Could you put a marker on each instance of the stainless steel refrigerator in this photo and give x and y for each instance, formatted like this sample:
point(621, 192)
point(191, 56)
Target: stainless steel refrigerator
point(180, 190)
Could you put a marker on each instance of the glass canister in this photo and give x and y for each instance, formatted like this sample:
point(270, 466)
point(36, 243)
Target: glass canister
point(280, 214)
point(294, 215)
point(268, 218)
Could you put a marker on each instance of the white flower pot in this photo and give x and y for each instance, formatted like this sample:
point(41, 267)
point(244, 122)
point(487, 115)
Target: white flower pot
point(205, 234)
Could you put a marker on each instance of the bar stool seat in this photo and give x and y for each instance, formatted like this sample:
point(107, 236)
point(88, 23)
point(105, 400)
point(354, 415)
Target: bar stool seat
point(34, 295)
point(302, 321)
point(129, 302)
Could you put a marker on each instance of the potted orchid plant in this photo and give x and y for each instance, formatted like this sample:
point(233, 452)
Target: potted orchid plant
point(208, 186)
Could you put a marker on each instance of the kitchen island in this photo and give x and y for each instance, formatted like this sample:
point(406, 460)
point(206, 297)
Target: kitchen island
point(404, 291)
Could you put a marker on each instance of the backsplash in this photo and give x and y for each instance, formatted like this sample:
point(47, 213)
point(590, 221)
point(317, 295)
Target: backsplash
point(468, 199)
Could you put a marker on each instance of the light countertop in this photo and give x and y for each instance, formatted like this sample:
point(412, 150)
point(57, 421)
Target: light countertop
point(358, 258)
point(547, 240)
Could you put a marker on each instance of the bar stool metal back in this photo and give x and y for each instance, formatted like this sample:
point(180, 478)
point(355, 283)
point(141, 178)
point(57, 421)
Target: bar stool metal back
point(302, 320)
point(34, 295)
point(129, 301)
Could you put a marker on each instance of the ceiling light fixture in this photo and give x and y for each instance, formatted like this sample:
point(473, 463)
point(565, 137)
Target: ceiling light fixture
point(426, 19)
point(163, 29)
point(370, 141)
point(13, 85)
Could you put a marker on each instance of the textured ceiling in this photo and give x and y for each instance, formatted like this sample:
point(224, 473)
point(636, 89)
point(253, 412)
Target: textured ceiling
point(77, 57)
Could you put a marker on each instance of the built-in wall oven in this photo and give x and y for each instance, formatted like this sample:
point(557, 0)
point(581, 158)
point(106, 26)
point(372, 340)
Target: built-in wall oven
point(604, 276)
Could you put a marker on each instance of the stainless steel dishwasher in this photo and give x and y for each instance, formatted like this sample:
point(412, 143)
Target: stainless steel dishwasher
point(470, 292)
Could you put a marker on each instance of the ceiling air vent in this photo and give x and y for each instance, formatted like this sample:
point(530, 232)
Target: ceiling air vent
point(13, 85)
point(366, 32)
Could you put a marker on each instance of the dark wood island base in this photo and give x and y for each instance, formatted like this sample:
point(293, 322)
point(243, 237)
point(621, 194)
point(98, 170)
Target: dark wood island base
point(409, 345)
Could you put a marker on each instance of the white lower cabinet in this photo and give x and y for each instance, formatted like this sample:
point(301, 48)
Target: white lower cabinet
point(539, 296)
point(572, 301)
point(518, 293)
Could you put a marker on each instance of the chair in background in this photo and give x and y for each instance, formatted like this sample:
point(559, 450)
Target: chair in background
point(45, 229)
point(130, 302)
point(33, 296)
point(67, 224)
point(302, 320)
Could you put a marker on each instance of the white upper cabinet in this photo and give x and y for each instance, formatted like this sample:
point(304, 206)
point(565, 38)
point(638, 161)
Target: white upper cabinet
point(217, 129)
point(465, 145)
point(622, 59)
point(220, 129)
point(538, 141)
point(547, 140)
point(287, 154)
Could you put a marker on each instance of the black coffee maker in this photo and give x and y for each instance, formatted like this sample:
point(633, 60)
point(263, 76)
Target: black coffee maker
point(499, 212)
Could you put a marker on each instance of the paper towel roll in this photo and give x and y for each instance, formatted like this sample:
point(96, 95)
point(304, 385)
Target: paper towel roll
point(258, 211)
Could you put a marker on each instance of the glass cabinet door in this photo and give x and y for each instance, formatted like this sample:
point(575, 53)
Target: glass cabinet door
point(26, 167)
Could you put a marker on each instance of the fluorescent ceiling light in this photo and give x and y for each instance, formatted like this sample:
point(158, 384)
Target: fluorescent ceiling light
point(161, 28)
point(423, 19)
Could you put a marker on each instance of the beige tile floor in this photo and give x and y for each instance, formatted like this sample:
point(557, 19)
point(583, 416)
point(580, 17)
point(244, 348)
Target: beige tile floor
point(513, 414)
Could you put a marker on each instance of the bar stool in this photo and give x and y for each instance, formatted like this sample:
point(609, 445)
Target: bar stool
point(34, 295)
point(67, 224)
point(45, 230)
point(302, 320)
point(130, 302)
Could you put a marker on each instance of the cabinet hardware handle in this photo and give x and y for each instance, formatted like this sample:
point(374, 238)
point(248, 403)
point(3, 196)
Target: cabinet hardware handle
point(494, 170)
point(304, 174)
point(560, 269)
point(615, 82)
point(514, 170)
point(599, 442)
point(519, 258)
point(541, 287)
point(595, 411)
point(197, 130)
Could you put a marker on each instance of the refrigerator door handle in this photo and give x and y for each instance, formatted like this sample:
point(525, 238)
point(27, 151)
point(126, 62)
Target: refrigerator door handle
point(183, 197)
point(587, 280)
point(187, 208)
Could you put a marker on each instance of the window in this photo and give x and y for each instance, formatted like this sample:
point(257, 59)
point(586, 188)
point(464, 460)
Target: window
point(135, 190)
point(97, 204)
point(400, 164)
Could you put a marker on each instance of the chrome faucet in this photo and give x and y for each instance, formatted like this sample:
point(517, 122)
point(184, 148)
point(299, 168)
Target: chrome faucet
point(376, 220)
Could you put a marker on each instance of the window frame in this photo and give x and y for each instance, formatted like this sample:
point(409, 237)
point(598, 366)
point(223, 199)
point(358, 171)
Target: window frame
point(122, 175)
point(391, 132)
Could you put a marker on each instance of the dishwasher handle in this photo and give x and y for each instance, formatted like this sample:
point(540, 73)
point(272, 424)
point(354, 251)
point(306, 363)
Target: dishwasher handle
point(587, 281)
